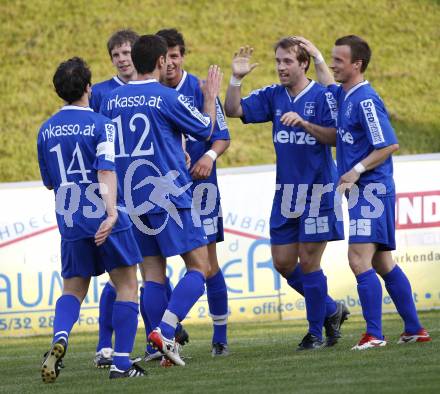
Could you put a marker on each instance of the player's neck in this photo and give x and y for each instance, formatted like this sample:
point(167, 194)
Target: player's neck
point(82, 102)
point(153, 75)
point(352, 82)
point(132, 77)
point(299, 86)
point(172, 83)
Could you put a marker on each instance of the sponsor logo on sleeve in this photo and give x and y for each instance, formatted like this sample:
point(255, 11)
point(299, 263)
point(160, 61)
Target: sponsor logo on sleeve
point(110, 132)
point(193, 110)
point(333, 105)
point(372, 121)
point(220, 117)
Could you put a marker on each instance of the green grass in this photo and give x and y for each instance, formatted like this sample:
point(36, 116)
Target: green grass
point(37, 35)
point(263, 359)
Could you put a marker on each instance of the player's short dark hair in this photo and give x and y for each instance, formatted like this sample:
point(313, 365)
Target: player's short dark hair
point(301, 54)
point(173, 38)
point(146, 51)
point(121, 37)
point(71, 79)
point(360, 50)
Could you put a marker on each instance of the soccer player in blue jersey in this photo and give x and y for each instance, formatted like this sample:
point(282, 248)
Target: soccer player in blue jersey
point(150, 119)
point(365, 143)
point(303, 118)
point(119, 50)
point(205, 188)
point(76, 158)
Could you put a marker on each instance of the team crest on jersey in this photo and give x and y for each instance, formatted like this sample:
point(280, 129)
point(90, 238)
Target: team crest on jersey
point(278, 112)
point(348, 110)
point(186, 102)
point(309, 108)
point(110, 132)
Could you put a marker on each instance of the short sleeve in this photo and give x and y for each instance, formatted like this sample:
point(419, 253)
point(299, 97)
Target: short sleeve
point(105, 147)
point(221, 131)
point(257, 107)
point(376, 123)
point(186, 117)
point(42, 163)
point(95, 100)
point(328, 109)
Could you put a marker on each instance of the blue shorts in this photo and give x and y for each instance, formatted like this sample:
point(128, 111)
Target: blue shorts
point(168, 239)
point(83, 258)
point(379, 230)
point(324, 227)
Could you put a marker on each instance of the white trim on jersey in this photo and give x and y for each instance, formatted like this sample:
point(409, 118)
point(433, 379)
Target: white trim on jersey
point(118, 80)
point(300, 94)
point(142, 82)
point(354, 88)
point(182, 81)
point(66, 107)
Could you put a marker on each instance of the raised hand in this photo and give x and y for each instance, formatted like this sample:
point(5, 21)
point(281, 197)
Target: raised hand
point(308, 46)
point(241, 65)
point(211, 86)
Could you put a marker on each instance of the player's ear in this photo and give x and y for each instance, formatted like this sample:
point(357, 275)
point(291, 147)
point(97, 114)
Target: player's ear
point(161, 62)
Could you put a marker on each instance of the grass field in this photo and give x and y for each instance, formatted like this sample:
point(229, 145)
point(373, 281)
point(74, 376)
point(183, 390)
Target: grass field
point(37, 35)
point(263, 359)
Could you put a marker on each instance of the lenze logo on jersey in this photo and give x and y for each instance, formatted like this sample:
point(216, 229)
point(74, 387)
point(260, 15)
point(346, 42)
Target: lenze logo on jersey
point(372, 121)
point(292, 137)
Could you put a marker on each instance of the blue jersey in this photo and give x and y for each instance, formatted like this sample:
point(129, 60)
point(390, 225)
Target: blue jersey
point(190, 88)
point(102, 89)
point(363, 126)
point(72, 146)
point(300, 158)
point(149, 118)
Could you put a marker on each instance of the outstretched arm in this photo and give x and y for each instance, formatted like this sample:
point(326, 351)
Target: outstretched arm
point(211, 89)
point(241, 66)
point(323, 73)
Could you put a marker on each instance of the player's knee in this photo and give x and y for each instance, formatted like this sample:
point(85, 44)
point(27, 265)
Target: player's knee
point(309, 265)
point(358, 262)
point(283, 266)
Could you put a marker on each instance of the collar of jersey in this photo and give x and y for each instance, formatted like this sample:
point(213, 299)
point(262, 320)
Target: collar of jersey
point(143, 82)
point(118, 80)
point(300, 94)
point(76, 107)
point(354, 88)
point(182, 81)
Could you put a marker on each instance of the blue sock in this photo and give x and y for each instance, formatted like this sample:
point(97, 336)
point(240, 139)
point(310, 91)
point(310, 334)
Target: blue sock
point(399, 289)
point(295, 281)
point(66, 314)
point(218, 306)
point(155, 301)
point(125, 321)
point(189, 289)
point(147, 323)
point(370, 294)
point(106, 302)
point(315, 291)
point(168, 287)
